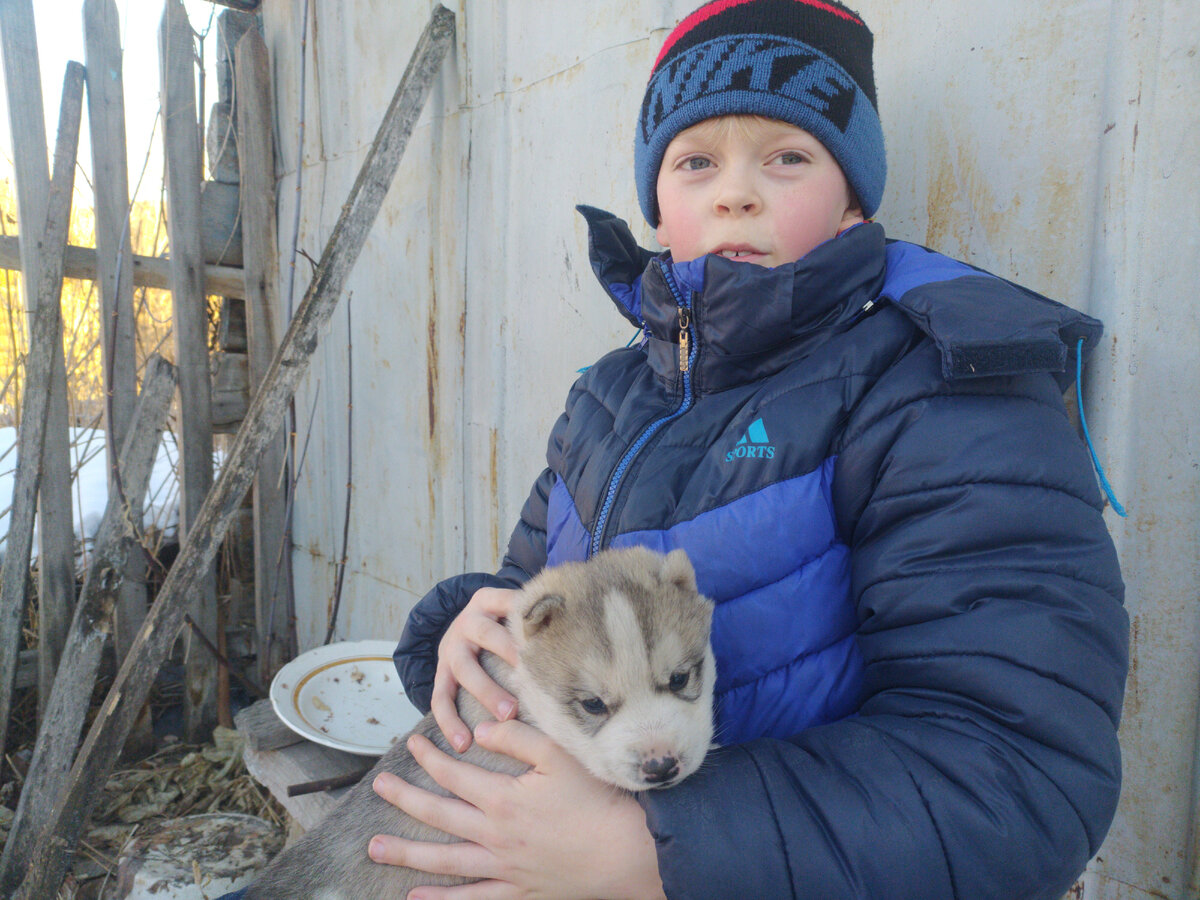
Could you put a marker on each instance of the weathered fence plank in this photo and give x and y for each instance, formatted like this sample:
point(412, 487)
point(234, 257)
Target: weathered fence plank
point(166, 616)
point(220, 224)
point(45, 344)
point(56, 537)
point(148, 271)
point(114, 260)
point(116, 541)
point(181, 141)
point(273, 617)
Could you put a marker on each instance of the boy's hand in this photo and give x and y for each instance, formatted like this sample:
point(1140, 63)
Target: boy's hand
point(478, 627)
point(556, 831)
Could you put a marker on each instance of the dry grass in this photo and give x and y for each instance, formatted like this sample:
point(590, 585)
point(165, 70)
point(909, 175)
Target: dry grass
point(177, 780)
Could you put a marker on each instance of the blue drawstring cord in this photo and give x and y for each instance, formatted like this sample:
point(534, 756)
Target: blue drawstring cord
point(636, 335)
point(1117, 507)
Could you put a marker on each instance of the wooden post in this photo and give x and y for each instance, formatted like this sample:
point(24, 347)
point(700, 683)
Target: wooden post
point(166, 616)
point(114, 257)
point(56, 536)
point(181, 140)
point(116, 541)
point(45, 345)
point(273, 617)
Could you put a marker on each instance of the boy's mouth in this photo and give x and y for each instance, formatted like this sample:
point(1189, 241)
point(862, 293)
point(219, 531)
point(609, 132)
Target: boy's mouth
point(742, 252)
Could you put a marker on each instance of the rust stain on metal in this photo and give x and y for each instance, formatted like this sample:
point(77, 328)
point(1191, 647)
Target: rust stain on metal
point(431, 351)
point(494, 483)
point(1133, 700)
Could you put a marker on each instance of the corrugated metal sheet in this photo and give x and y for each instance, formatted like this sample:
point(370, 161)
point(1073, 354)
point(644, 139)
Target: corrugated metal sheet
point(1056, 144)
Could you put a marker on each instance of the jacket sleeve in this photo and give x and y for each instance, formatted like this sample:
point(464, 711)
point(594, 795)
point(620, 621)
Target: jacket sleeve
point(983, 761)
point(416, 654)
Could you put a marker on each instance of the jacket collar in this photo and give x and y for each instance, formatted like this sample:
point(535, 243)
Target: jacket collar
point(747, 321)
point(750, 321)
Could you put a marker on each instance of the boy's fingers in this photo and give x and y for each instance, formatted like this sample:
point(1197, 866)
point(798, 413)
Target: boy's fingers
point(445, 712)
point(465, 859)
point(479, 890)
point(499, 702)
point(463, 780)
point(490, 635)
point(449, 814)
point(496, 602)
point(518, 740)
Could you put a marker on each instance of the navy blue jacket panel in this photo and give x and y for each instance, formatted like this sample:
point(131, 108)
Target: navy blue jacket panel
point(920, 642)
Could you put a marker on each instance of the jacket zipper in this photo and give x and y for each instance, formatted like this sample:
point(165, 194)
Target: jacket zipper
point(687, 355)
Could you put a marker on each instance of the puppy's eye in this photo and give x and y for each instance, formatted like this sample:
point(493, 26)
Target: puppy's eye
point(594, 706)
point(678, 681)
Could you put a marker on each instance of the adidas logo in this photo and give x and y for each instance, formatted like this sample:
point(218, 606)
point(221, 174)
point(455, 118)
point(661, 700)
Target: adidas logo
point(754, 444)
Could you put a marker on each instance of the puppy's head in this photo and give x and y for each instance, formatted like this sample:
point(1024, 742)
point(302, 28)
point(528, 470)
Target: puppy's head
point(616, 664)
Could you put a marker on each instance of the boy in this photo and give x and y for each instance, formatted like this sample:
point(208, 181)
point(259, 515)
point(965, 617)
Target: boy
point(920, 643)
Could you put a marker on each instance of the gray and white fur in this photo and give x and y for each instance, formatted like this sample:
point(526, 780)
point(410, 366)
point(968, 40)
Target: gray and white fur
point(615, 665)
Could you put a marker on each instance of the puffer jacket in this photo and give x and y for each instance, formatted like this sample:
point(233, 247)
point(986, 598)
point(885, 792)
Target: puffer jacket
point(920, 640)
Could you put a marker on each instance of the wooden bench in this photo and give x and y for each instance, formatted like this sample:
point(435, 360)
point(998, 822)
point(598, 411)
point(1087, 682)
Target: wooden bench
point(279, 759)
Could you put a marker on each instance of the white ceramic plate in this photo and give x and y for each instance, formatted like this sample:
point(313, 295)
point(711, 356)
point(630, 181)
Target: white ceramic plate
point(346, 696)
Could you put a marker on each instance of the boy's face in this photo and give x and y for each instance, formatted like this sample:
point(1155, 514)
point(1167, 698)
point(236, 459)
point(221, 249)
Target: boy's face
point(752, 189)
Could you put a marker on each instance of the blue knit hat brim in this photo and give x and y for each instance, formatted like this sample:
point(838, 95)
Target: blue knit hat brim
point(776, 77)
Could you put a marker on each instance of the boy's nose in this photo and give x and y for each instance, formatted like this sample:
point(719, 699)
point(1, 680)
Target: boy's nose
point(737, 196)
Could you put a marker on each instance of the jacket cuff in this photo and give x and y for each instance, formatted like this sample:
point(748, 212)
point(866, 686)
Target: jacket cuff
point(415, 656)
point(719, 807)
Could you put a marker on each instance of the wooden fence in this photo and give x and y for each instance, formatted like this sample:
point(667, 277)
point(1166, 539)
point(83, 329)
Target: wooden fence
point(60, 787)
point(205, 259)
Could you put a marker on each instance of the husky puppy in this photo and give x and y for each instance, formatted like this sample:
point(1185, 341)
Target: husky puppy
point(615, 666)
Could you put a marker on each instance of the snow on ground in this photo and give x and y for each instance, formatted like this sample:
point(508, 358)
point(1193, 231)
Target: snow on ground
point(89, 486)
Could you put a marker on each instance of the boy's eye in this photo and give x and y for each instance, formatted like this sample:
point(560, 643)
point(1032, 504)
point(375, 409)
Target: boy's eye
point(594, 706)
point(791, 159)
point(695, 163)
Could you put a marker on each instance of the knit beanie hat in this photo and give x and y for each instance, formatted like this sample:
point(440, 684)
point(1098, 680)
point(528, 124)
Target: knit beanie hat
point(805, 62)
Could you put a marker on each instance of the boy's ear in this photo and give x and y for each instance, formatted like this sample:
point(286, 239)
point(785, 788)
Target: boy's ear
point(660, 235)
point(852, 216)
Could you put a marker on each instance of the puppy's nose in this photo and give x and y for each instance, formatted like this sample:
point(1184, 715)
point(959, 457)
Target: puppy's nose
point(660, 769)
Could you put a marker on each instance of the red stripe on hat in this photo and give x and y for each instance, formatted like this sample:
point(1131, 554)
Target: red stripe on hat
point(719, 6)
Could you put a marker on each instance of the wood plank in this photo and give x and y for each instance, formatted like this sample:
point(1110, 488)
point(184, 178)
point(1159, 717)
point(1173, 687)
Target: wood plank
point(148, 271)
point(262, 729)
point(231, 333)
point(181, 140)
point(220, 224)
point(116, 540)
point(231, 26)
point(230, 391)
point(132, 683)
point(272, 576)
point(27, 669)
point(56, 536)
point(45, 344)
point(304, 761)
point(114, 258)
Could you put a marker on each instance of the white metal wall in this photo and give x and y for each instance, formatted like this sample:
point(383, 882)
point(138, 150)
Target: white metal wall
point(1056, 144)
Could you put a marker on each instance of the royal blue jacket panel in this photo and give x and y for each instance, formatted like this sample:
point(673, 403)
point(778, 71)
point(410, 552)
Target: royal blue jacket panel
point(920, 642)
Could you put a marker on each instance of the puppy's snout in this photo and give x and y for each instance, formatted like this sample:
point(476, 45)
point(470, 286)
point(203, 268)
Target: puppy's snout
point(660, 769)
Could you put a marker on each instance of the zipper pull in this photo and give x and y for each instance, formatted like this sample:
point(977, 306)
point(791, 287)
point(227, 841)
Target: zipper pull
point(685, 319)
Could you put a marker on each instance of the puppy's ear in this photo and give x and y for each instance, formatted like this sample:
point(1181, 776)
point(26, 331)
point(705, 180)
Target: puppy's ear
point(677, 570)
point(541, 613)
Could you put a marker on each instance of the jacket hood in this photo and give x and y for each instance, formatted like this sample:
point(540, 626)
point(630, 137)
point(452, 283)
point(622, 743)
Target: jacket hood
point(981, 324)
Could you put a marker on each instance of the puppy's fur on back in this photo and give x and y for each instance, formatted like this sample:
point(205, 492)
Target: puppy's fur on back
point(615, 666)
